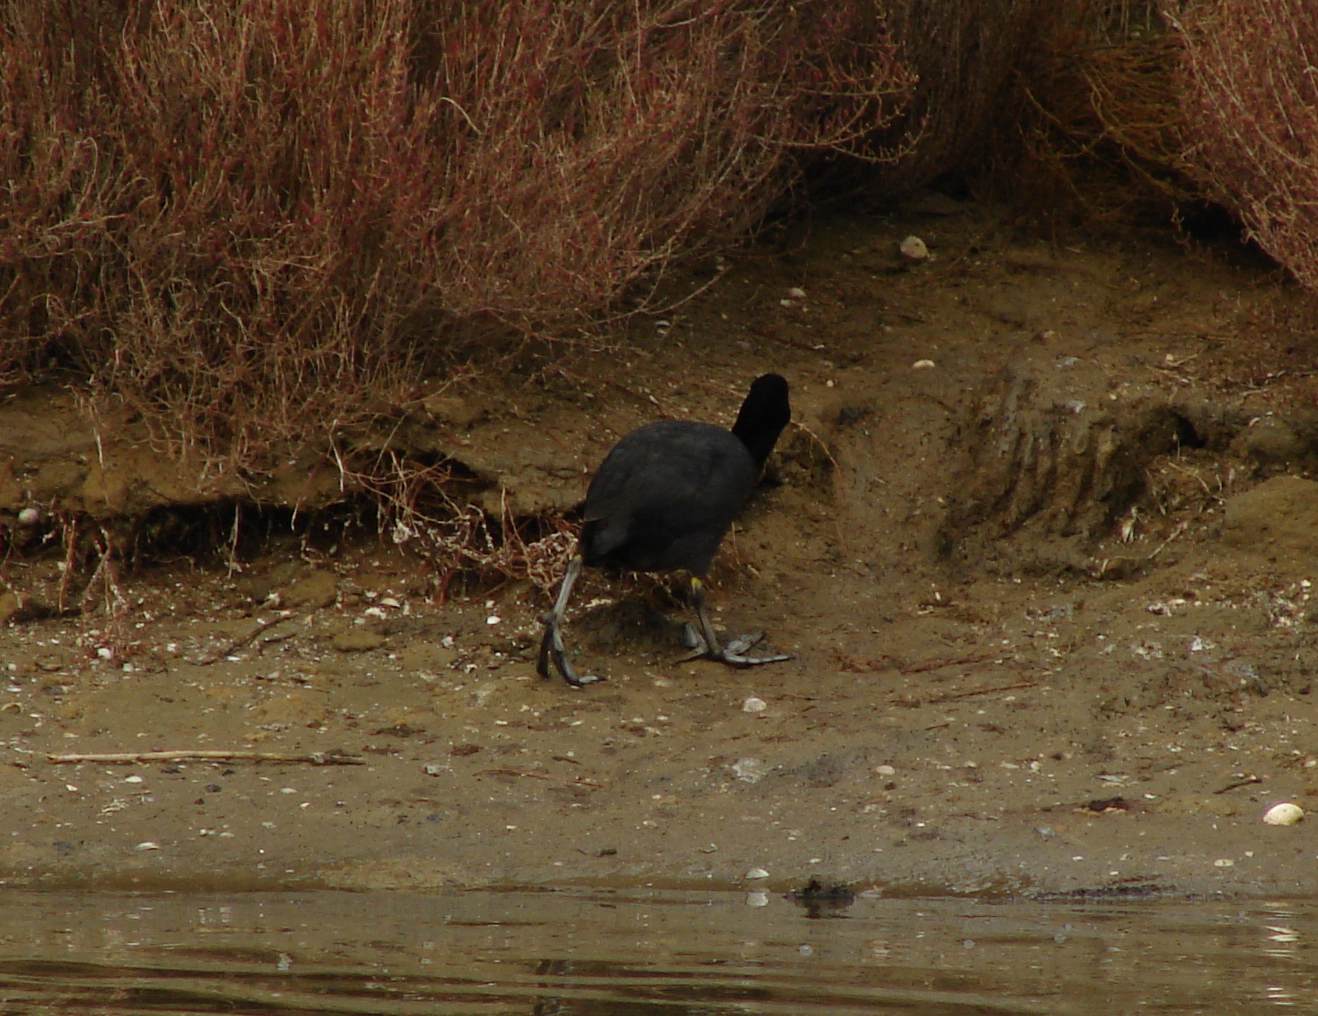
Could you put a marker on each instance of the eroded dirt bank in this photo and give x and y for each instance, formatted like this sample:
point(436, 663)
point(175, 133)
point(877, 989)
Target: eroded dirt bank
point(1049, 595)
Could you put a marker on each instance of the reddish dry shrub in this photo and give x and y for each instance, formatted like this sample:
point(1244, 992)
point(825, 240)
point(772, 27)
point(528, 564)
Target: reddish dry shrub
point(252, 221)
point(970, 59)
point(1102, 132)
point(1249, 92)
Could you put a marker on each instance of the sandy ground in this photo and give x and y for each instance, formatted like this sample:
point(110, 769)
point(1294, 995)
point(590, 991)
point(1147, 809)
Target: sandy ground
point(1041, 543)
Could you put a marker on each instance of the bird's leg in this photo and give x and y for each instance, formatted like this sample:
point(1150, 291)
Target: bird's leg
point(734, 652)
point(551, 645)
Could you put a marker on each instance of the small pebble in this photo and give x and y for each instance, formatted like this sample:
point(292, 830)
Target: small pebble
point(796, 293)
point(1224, 862)
point(885, 770)
point(493, 619)
point(1285, 813)
point(29, 517)
point(757, 899)
point(923, 365)
point(754, 705)
point(755, 873)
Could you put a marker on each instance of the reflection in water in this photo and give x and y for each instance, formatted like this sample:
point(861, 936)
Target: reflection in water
point(638, 952)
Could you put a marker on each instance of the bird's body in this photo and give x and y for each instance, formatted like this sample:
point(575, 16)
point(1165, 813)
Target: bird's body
point(663, 498)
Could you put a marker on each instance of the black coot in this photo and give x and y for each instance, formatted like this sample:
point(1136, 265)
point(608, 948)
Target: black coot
point(662, 500)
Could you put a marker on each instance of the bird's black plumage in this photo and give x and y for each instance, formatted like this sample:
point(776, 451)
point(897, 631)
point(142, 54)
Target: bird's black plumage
point(664, 497)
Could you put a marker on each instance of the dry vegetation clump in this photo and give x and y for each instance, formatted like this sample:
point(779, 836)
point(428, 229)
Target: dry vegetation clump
point(970, 60)
point(423, 508)
point(256, 222)
point(1249, 95)
point(1102, 134)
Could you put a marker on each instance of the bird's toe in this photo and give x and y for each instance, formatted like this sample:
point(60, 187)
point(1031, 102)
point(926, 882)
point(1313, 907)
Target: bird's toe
point(738, 660)
point(739, 645)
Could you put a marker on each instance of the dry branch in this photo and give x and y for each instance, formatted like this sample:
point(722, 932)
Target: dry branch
point(318, 758)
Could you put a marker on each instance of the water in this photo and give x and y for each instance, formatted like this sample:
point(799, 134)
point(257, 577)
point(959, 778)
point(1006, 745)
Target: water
point(639, 952)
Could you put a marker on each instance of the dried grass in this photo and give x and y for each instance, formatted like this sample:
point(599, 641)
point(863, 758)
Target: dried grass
point(422, 511)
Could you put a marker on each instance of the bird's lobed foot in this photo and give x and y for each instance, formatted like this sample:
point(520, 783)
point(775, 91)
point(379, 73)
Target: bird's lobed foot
point(738, 660)
point(734, 652)
point(569, 673)
point(693, 640)
point(553, 650)
point(738, 646)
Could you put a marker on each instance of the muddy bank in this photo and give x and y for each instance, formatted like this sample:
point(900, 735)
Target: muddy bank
point(1041, 545)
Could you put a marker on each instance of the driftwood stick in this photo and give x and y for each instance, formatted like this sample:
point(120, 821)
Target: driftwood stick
point(318, 758)
point(238, 643)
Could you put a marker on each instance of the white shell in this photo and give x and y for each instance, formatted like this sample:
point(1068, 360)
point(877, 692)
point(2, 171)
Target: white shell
point(914, 248)
point(757, 873)
point(754, 705)
point(749, 770)
point(1283, 814)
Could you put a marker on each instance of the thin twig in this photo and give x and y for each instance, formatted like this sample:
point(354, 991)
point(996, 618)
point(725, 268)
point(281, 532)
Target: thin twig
point(939, 664)
point(317, 758)
point(953, 696)
point(576, 781)
point(1180, 528)
point(238, 643)
point(1236, 784)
